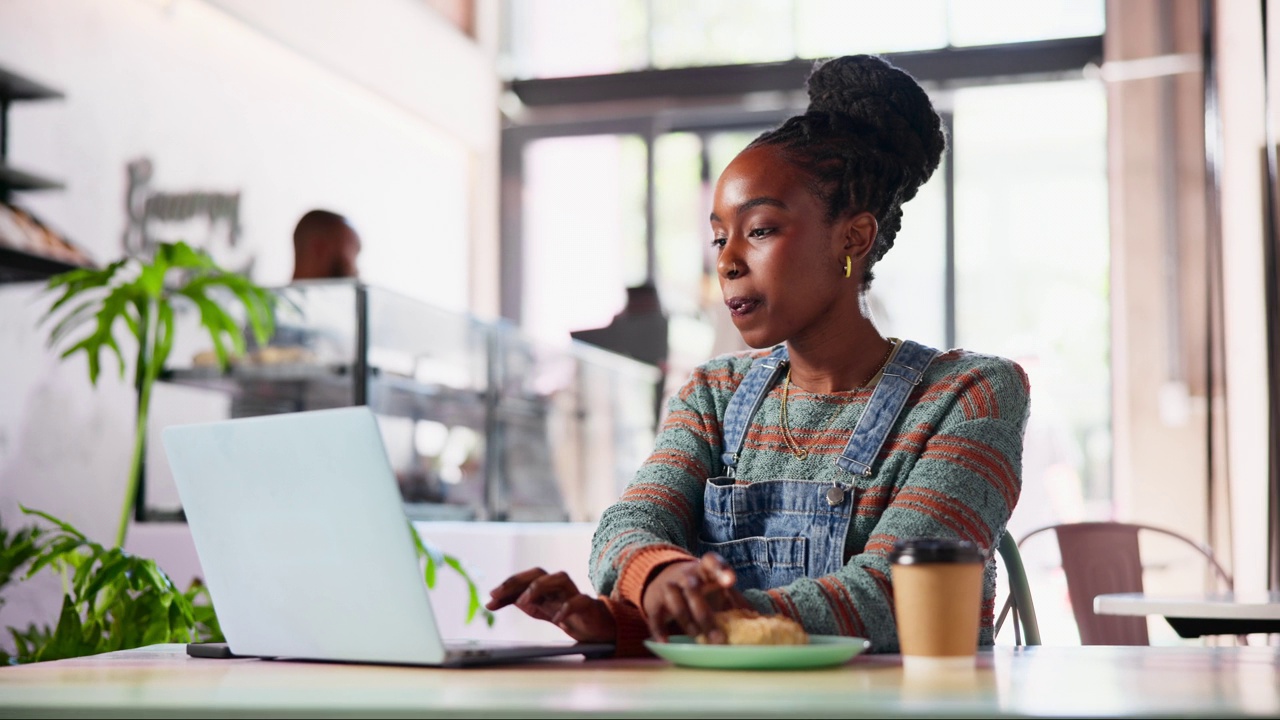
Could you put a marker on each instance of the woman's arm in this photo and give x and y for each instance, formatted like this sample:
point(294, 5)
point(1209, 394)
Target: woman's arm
point(964, 484)
point(655, 522)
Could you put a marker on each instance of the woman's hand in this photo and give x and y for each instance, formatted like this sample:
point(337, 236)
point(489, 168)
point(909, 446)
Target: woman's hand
point(686, 595)
point(554, 598)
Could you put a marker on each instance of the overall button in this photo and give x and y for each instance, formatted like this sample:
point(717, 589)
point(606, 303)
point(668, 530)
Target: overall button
point(835, 495)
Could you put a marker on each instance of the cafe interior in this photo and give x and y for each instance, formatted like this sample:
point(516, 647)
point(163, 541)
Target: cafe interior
point(530, 182)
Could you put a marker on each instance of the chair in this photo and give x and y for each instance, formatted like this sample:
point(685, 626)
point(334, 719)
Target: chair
point(1103, 557)
point(1019, 602)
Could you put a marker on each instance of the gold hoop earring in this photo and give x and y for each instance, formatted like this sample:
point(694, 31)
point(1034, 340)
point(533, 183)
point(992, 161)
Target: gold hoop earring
point(848, 266)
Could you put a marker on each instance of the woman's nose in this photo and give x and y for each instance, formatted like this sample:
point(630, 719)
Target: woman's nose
point(728, 264)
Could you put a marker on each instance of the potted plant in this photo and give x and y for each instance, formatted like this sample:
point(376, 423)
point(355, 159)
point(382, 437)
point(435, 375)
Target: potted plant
point(112, 599)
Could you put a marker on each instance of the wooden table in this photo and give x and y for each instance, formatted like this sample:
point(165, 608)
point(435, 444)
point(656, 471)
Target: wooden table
point(1198, 615)
point(1045, 681)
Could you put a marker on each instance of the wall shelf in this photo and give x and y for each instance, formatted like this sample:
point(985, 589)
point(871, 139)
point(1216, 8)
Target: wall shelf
point(19, 265)
point(13, 179)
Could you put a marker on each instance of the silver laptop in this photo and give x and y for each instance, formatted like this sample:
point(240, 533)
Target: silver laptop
point(303, 541)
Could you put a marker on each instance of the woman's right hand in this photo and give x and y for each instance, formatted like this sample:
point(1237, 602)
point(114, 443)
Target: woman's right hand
point(686, 595)
point(555, 598)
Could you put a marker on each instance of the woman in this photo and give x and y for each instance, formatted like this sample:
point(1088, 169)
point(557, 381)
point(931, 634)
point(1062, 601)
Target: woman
point(782, 477)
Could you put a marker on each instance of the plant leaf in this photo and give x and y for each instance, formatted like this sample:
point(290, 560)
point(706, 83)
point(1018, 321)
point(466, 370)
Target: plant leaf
point(473, 601)
point(164, 339)
point(65, 527)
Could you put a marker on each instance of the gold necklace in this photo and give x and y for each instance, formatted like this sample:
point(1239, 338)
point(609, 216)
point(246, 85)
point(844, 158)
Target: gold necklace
point(796, 449)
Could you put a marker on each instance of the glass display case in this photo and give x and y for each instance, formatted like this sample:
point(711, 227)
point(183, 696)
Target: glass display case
point(479, 422)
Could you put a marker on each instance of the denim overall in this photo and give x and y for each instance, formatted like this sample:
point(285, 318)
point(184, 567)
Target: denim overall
point(774, 531)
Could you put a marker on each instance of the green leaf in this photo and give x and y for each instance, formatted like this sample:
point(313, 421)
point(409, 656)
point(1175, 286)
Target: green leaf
point(57, 554)
point(183, 255)
point(151, 280)
point(16, 550)
point(164, 339)
point(112, 307)
point(72, 321)
point(77, 282)
point(109, 573)
point(473, 601)
point(215, 320)
point(68, 637)
point(156, 578)
point(63, 526)
point(258, 304)
point(28, 643)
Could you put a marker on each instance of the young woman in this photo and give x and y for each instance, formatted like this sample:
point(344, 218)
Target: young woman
point(782, 477)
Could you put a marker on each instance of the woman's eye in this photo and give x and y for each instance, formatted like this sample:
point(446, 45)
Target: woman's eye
point(760, 232)
point(719, 242)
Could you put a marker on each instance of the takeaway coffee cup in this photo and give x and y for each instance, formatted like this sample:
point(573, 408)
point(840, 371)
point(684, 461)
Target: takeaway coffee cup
point(937, 590)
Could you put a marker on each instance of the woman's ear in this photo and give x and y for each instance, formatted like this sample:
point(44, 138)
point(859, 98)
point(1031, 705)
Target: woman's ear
point(859, 234)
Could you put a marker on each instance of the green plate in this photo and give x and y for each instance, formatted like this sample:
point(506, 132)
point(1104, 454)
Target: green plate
point(822, 651)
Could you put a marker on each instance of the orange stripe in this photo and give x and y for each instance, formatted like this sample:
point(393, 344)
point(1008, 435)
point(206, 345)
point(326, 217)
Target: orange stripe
point(672, 457)
point(961, 460)
point(1000, 465)
point(879, 544)
point(989, 397)
point(664, 497)
point(923, 504)
point(872, 502)
point(962, 513)
point(969, 456)
point(912, 441)
point(831, 590)
point(978, 458)
point(937, 511)
point(609, 545)
point(629, 553)
point(972, 382)
point(859, 627)
point(882, 581)
point(988, 612)
point(694, 424)
point(786, 604)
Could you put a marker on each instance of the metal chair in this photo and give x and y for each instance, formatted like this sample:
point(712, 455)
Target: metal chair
point(1103, 557)
point(1019, 602)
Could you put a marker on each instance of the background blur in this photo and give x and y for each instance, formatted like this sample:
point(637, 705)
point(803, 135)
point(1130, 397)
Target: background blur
point(533, 159)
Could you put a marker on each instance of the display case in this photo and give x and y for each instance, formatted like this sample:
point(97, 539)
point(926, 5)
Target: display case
point(479, 421)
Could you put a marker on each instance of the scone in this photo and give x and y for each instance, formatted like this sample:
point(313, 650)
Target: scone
point(748, 627)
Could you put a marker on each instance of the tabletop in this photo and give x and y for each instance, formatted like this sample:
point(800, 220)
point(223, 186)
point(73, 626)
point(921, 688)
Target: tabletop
point(161, 680)
point(1199, 615)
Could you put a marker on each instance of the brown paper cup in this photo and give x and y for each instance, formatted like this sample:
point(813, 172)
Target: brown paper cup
point(938, 603)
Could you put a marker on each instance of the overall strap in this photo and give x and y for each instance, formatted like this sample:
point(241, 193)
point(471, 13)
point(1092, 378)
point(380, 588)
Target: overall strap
point(897, 380)
point(746, 401)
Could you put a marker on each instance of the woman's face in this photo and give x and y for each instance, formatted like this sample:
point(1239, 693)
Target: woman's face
point(779, 261)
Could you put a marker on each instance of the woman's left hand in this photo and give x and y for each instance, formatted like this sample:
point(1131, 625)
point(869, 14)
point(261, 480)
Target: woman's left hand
point(684, 596)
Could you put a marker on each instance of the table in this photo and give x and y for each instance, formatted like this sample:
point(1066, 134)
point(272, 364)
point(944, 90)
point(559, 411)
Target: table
point(1197, 615)
point(1028, 681)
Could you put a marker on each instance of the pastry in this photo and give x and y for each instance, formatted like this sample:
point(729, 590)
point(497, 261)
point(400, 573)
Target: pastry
point(748, 627)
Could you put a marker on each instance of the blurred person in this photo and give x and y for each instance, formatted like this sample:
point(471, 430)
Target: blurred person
point(325, 245)
point(783, 476)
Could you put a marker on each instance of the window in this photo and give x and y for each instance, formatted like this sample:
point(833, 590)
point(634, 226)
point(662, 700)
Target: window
point(562, 38)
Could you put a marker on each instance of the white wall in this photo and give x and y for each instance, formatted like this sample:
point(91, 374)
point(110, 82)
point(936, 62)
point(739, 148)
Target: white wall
point(380, 110)
point(1239, 42)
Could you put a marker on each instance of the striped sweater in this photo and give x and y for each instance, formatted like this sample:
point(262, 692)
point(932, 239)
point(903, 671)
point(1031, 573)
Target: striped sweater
point(951, 467)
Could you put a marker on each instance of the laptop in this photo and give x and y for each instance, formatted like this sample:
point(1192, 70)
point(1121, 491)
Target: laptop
point(302, 537)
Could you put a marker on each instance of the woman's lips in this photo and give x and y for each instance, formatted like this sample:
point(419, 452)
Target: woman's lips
point(740, 306)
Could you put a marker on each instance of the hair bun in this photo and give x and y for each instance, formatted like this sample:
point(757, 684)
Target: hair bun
point(881, 98)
